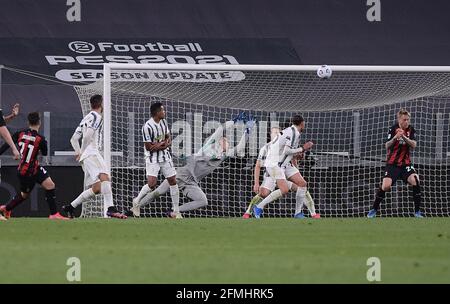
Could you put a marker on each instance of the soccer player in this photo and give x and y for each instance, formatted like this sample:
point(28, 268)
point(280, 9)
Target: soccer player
point(268, 185)
point(94, 167)
point(213, 153)
point(400, 140)
point(4, 133)
point(157, 142)
point(278, 165)
point(29, 170)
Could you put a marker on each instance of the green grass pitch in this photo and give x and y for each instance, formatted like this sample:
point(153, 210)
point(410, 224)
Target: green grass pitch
point(226, 250)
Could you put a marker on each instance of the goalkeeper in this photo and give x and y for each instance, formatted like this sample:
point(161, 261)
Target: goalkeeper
point(213, 153)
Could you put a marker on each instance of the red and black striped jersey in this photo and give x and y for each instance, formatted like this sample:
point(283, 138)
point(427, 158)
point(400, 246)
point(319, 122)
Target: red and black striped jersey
point(399, 153)
point(30, 142)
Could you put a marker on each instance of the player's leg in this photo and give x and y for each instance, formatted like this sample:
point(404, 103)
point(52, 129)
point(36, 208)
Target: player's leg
point(303, 197)
point(151, 183)
point(267, 186)
point(106, 191)
point(390, 177)
point(163, 188)
point(151, 171)
point(412, 178)
point(311, 205)
point(299, 185)
point(380, 196)
point(27, 184)
point(196, 195)
point(300, 194)
point(50, 195)
point(283, 188)
point(96, 175)
point(44, 179)
point(90, 179)
point(169, 172)
point(149, 197)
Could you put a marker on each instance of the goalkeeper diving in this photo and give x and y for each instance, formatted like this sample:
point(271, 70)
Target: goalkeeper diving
point(199, 165)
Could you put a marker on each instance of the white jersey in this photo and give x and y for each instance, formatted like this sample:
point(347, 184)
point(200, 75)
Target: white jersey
point(94, 121)
point(263, 154)
point(289, 137)
point(156, 132)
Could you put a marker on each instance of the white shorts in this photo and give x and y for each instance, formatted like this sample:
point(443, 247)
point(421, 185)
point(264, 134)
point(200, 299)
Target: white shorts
point(276, 172)
point(93, 166)
point(290, 170)
point(167, 168)
point(268, 183)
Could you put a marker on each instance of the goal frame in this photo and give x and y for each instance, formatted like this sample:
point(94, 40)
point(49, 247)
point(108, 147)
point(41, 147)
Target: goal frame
point(109, 67)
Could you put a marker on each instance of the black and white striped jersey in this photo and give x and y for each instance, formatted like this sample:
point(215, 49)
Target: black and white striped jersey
point(156, 132)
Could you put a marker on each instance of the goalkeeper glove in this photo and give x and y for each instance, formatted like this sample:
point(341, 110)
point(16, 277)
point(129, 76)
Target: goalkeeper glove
point(241, 117)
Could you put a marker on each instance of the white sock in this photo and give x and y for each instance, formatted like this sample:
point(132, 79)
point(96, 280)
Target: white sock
point(145, 189)
point(309, 202)
point(105, 189)
point(83, 197)
point(300, 199)
point(175, 195)
point(270, 198)
point(149, 197)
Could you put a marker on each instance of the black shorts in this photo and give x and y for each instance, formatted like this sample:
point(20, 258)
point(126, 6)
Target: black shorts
point(27, 183)
point(396, 172)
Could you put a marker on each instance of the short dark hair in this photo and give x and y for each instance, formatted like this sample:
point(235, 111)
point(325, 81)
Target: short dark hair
point(297, 119)
point(33, 118)
point(155, 108)
point(96, 101)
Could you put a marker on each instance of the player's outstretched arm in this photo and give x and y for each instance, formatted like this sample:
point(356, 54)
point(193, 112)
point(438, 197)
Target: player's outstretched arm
point(14, 113)
point(240, 148)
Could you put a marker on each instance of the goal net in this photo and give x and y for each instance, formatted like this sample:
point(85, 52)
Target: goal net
point(347, 117)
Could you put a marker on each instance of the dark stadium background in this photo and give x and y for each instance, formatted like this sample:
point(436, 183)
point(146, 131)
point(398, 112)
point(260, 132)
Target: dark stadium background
point(254, 32)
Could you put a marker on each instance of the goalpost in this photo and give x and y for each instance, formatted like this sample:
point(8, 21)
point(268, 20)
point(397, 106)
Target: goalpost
point(347, 116)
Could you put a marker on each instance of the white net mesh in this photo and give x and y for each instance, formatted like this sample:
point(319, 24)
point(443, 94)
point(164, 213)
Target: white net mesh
point(347, 117)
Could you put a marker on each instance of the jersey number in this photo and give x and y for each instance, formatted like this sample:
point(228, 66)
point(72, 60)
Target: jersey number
point(409, 168)
point(30, 151)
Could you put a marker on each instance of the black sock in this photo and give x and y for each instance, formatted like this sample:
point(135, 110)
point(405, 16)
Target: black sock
point(112, 209)
point(416, 197)
point(17, 200)
point(50, 196)
point(379, 197)
point(69, 208)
